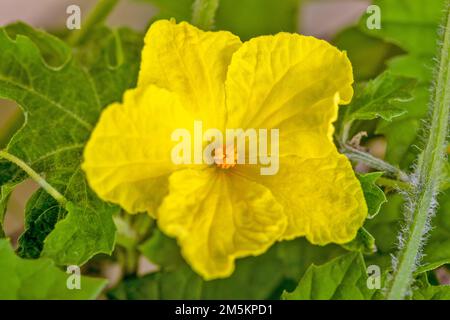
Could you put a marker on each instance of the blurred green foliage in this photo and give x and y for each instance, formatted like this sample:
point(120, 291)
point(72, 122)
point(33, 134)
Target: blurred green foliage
point(245, 18)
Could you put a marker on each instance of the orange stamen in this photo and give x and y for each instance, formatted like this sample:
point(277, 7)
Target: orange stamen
point(225, 157)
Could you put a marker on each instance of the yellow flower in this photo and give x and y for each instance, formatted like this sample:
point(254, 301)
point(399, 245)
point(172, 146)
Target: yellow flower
point(222, 212)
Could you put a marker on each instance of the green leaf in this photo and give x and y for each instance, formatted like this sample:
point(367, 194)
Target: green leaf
point(411, 66)
point(436, 251)
point(183, 284)
point(343, 278)
point(162, 251)
point(7, 185)
point(176, 280)
point(432, 293)
point(181, 10)
point(204, 12)
point(364, 242)
point(267, 16)
point(402, 134)
point(412, 25)
point(285, 262)
point(249, 281)
point(362, 48)
point(383, 97)
point(81, 235)
point(112, 58)
point(39, 279)
point(384, 228)
point(409, 24)
point(55, 53)
point(62, 101)
point(423, 290)
point(297, 255)
point(374, 196)
point(41, 214)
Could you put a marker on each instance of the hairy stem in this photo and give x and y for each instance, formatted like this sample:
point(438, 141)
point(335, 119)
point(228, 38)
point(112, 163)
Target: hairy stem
point(204, 12)
point(98, 15)
point(375, 163)
point(35, 176)
point(429, 167)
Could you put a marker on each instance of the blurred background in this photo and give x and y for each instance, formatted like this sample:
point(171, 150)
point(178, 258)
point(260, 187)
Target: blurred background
point(320, 18)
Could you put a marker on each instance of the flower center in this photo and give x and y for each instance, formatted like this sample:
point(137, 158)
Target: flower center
point(225, 157)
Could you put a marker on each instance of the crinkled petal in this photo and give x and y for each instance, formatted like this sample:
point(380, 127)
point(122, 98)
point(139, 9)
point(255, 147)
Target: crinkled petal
point(217, 217)
point(191, 62)
point(321, 197)
point(287, 81)
point(127, 159)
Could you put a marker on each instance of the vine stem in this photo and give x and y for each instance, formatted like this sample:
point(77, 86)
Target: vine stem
point(98, 15)
point(394, 184)
point(375, 163)
point(430, 163)
point(35, 176)
point(204, 12)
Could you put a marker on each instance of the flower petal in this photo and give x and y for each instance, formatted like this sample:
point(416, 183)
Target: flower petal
point(287, 81)
point(192, 63)
point(321, 197)
point(218, 217)
point(128, 156)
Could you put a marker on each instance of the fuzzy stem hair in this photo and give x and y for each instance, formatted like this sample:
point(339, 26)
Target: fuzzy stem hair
point(421, 200)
